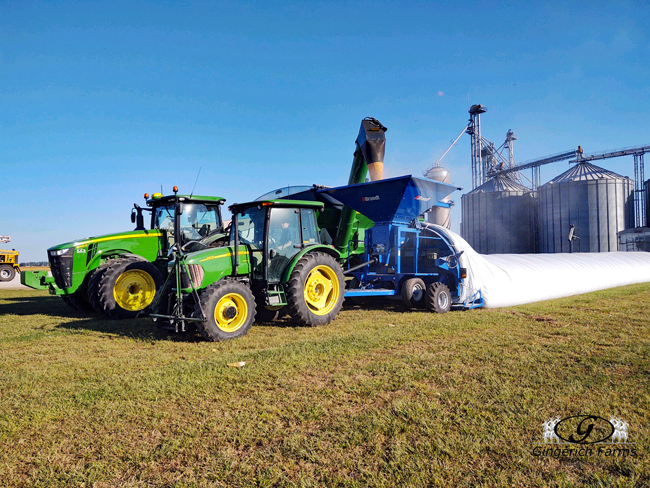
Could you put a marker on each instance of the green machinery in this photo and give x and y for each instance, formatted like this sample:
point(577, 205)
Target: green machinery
point(274, 258)
point(282, 253)
point(119, 274)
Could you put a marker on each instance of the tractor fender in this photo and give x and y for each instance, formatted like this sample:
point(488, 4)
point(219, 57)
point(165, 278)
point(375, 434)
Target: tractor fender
point(100, 258)
point(315, 248)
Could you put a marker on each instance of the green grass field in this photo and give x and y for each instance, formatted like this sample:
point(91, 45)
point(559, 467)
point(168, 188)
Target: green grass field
point(380, 397)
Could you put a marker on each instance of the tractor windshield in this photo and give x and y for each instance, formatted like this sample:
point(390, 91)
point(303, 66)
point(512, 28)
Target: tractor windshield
point(197, 220)
point(250, 225)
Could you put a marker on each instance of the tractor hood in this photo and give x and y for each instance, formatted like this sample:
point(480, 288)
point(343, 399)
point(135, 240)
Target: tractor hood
point(400, 199)
point(136, 234)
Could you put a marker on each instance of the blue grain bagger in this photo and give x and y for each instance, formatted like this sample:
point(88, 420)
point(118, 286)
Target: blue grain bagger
point(405, 257)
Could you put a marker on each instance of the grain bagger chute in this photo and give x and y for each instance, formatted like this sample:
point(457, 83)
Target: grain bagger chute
point(405, 257)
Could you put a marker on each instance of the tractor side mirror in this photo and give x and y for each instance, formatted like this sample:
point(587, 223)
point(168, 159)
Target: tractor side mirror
point(133, 216)
point(272, 253)
point(179, 209)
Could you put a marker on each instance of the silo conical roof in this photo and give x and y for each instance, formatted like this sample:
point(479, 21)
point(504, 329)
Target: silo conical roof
point(500, 184)
point(586, 171)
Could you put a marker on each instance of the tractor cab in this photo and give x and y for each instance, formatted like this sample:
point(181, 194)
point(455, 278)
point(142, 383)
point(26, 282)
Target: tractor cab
point(200, 216)
point(275, 231)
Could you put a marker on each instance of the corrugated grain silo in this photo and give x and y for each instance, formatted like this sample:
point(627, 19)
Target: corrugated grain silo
point(646, 188)
point(499, 217)
point(598, 202)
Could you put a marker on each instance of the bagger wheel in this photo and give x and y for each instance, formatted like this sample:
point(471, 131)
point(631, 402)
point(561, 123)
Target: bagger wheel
point(7, 273)
point(315, 290)
point(93, 286)
point(413, 291)
point(229, 309)
point(127, 288)
point(438, 298)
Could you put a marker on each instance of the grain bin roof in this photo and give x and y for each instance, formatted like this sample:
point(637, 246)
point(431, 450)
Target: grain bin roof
point(500, 184)
point(586, 171)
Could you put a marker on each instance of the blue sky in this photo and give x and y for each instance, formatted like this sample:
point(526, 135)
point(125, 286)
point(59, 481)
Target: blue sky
point(103, 101)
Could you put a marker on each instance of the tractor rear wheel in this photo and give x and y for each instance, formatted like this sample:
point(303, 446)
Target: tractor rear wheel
point(7, 272)
point(77, 301)
point(438, 298)
point(315, 289)
point(127, 288)
point(229, 309)
point(413, 292)
point(93, 286)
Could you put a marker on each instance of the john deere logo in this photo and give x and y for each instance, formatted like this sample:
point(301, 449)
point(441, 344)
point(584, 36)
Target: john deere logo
point(370, 199)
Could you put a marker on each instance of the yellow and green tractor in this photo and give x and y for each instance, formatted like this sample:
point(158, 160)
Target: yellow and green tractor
point(273, 259)
point(119, 274)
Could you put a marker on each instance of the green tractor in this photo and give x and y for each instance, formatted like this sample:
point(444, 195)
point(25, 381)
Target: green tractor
point(273, 259)
point(119, 274)
point(291, 246)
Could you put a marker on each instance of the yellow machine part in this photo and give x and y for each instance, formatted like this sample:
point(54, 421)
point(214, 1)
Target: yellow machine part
point(9, 257)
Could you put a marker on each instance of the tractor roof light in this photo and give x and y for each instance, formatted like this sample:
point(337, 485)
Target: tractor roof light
point(146, 196)
point(175, 189)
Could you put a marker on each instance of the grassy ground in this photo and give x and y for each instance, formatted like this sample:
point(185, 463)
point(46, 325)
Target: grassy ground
point(377, 398)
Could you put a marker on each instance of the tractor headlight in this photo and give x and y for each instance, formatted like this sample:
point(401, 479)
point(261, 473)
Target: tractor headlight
point(59, 252)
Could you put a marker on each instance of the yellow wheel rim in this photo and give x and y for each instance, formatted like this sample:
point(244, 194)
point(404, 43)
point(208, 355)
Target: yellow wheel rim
point(322, 290)
point(134, 290)
point(231, 312)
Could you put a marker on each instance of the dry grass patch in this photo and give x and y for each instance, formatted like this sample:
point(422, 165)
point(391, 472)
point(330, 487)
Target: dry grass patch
point(380, 397)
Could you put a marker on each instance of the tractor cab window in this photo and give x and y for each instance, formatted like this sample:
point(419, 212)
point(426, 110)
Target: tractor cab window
point(284, 240)
point(197, 220)
point(310, 233)
point(250, 229)
point(163, 218)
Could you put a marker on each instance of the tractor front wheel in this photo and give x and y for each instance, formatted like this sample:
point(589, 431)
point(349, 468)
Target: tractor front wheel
point(229, 310)
point(315, 290)
point(93, 286)
point(438, 298)
point(127, 288)
point(7, 273)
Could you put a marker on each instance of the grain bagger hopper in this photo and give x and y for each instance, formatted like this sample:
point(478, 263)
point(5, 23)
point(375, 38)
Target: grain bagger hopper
point(405, 257)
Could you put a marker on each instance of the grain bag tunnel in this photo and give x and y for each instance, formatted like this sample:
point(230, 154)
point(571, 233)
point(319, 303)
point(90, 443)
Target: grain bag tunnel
point(404, 257)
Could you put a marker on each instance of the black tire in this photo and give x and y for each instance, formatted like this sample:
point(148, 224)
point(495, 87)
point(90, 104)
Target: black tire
point(413, 293)
point(77, 301)
point(325, 304)
point(229, 309)
point(93, 286)
point(438, 298)
point(127, 288)
point(7, 272)
point(266, 315)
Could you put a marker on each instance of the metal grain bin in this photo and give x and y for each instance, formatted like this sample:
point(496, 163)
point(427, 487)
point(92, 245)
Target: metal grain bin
point(439, 215)
point(646, 188)
point(499, 217)
point(598, 202)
